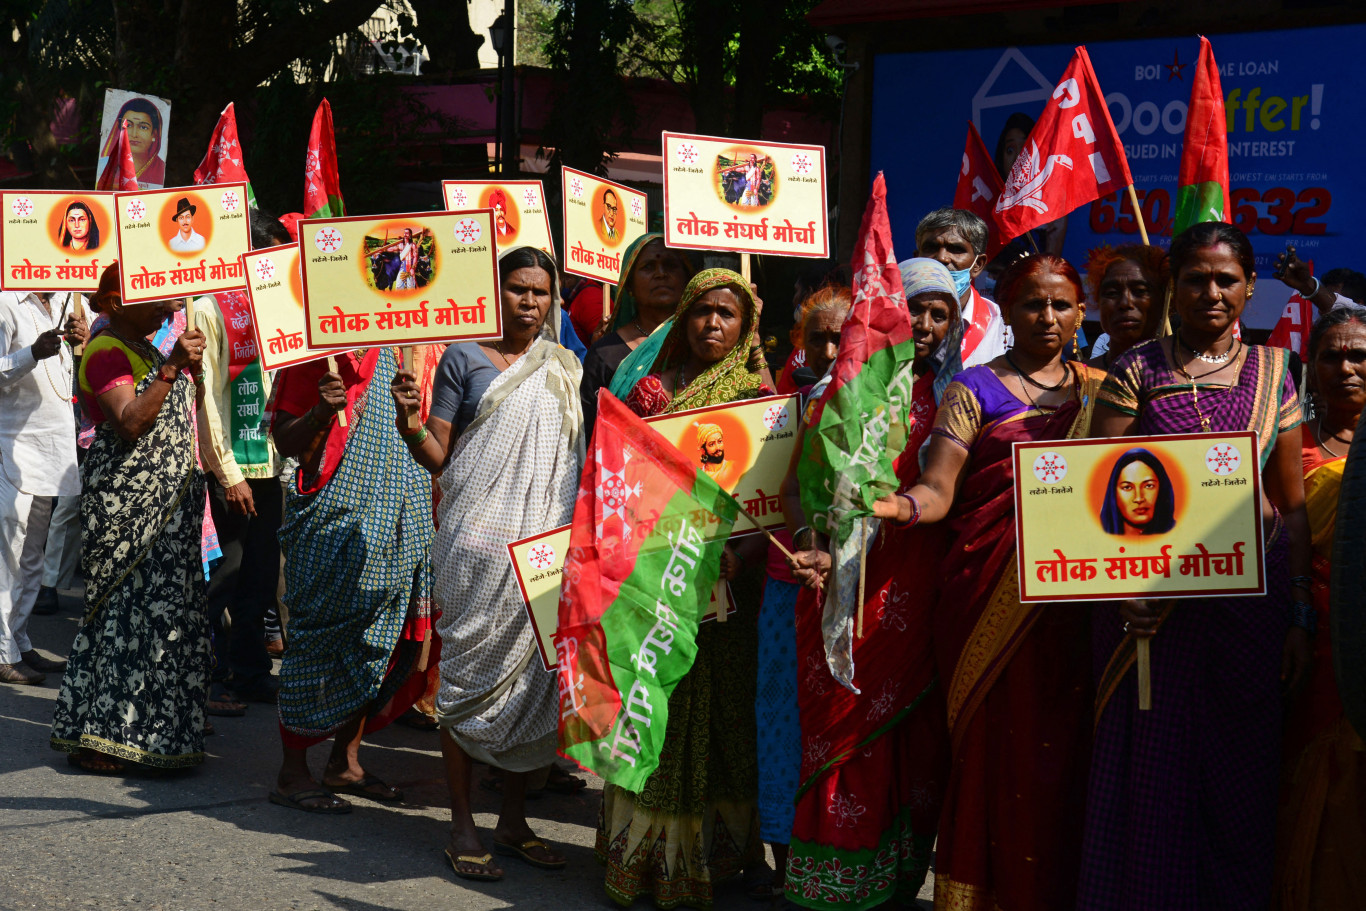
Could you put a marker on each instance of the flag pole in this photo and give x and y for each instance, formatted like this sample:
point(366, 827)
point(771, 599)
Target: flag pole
point(405, 362)
point(332, 368)
point(862, 570)
point(1143, 658)
point(1138, 215)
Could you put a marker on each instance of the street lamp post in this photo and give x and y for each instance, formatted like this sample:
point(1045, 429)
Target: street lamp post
point(502, 32)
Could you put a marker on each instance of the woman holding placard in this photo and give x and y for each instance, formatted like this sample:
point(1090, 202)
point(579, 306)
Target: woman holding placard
point(1182, 800)
point(505, 438)
point(138, 676)
point(1017, 686)
point(1320, 841)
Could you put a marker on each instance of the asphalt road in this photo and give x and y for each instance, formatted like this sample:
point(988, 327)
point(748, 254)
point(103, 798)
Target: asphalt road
point(208, 838)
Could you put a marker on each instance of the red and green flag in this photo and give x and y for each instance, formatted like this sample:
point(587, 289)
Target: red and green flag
point(1202, 188)
point(225, 162)
point(644, 556)
point(322, 181)
point(857, 426)
point(120, 174)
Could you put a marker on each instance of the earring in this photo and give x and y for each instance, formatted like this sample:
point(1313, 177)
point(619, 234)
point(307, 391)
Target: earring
point(1076, 348)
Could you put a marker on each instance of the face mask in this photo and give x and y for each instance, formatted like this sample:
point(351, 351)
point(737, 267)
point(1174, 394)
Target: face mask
point(962, 278)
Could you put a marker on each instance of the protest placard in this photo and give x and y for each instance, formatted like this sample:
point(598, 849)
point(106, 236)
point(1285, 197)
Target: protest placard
point(149, 121)
point(538, 563)
point(55, 240)
point(601, 219)
point(400, 279)
point(743, 196)
point(181, 241)
point(520, 218)
point(1160, 516)
point(275, 292)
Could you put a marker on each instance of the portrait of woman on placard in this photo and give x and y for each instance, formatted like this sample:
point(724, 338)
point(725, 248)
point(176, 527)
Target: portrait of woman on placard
point(79, 230)
point(1139, 499)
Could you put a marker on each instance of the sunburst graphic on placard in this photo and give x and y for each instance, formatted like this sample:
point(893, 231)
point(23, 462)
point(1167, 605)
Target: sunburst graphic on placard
point(687, 153)
point(801, 163)
point(230, 200)
point(468, 230)
point(460, 197)
point(328, 240)
point(265, 269)
point(1223, 458)
point(775, 418)
point(137, 209)
point(21, 206)
point(576, 188)
point(541, 556)
point(1050, 467)
point(530, 196)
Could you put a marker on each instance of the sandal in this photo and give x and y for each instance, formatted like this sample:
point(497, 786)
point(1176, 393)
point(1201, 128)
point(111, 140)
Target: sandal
point(295, 801)
point(223, 703)
point(521, 850)
point(369, 787)
point(417, 721)
point(96, 763)
point(484, 861)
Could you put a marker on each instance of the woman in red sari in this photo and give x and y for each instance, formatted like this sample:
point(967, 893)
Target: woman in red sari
point(873, 764)
point(1017, 677)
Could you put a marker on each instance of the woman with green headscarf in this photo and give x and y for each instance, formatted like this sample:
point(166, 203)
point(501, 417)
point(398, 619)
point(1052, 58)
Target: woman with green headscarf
point(651, 282)
point(696, 821)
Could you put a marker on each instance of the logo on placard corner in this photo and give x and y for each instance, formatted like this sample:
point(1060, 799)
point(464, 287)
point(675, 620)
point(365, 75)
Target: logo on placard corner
point(136, 209)
point(265, 269)
point(230, 200)
point(328, 240)
point(460, 197)
point(1223, 459)
point(687, 153)
point(468, 230)
point(541, 556)
point(802, 163)
point(21, 206)
point(529, 194)
point(1050, 467)
point(636, 208)
point(576, 188)
point(775, 417)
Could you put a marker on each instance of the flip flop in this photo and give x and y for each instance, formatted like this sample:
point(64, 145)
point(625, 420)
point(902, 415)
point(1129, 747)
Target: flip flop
point(520, 850)
point(479, 860)
point(88, 765)
point(363, 788)
point(223, 703)
point(295, 801)
point(561, 782)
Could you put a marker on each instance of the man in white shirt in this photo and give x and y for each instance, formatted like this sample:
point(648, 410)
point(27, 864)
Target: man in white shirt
point(186, 239)
point(958, 239)
point(37, 462)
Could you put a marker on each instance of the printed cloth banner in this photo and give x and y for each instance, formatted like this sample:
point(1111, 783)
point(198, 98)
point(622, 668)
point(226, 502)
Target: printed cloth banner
point(744, 196)
point(520, 218)
point(181, 241)
point(1137, 517)
point(601, 219)
point(54, 240)
point(322, 180)
point(979, 186)
point(1202, 186)
point(400, 279)
point(275, 291)
point(1072, 156)
point(637, 581)
point(225, 162)
point(121, 172)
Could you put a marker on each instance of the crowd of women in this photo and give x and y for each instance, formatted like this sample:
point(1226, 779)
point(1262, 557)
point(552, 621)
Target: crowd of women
point(1000, 740)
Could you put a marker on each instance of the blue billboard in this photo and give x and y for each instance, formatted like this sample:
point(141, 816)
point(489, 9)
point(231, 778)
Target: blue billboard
point(1296, 127)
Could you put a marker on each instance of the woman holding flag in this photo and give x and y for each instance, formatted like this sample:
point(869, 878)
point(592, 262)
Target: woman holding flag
point(505, 439)
point(703, 795)
point(880, 762)
point(1018, 709)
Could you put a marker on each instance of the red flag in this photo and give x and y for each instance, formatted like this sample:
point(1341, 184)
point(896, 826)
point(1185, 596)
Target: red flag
point(322, 182)
point(1072, 156)
point(224, 162)
point(1202, 189)
point(1292, 329)
point(120, 173)
point(979, 186)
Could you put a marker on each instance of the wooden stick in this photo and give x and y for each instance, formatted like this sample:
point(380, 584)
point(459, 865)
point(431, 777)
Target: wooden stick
point(767, 534)
point(189, 313)
point(425, 656)
point(78, 311)
point(862, 569)
point(606, 302)
point(1164, 328)
point(1143, 657)
point(332, 368)
point(722, 602)
point(744, 266)
point(1029, 236)
point(406, 362)
point(1138, 215)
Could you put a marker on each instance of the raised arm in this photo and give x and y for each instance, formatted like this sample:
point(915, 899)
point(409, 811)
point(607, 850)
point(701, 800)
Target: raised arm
point(946, 465)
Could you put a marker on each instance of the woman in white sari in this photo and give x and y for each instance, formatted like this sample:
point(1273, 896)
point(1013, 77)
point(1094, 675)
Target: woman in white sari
point(505, 437)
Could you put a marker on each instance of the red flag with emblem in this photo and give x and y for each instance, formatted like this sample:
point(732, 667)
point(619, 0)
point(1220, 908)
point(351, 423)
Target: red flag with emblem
point(1073, 155)
point(322, 181)
point(225, 161)
point(120, 174)
point(979, 186)
point(1292, 329)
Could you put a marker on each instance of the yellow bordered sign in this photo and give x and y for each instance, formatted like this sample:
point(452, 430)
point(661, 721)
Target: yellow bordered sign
point(520, 217)
point(55, 240)
point(601, 219)
point(181, 241)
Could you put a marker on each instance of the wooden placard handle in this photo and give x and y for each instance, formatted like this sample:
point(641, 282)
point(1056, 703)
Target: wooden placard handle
point(1143, 659)
point(406, 362)
point(332, 368)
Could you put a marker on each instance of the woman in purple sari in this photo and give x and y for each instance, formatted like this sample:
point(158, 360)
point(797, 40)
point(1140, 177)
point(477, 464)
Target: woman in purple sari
point(1181, 811)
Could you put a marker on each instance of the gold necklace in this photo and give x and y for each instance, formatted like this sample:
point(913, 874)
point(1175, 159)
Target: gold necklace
point(1318, 433)
point(1195, 392)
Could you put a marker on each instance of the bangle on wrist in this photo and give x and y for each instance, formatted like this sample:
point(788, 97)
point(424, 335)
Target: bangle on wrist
point(1317, 285)
point(316, 422)
point(1304, 583)
point(416, 438)
point(404, 432)
point(164, 377)
point(915, 511)
point(1303, 615)
point(797, 538)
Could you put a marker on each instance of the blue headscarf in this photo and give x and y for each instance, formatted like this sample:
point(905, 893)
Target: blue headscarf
point(922, 275)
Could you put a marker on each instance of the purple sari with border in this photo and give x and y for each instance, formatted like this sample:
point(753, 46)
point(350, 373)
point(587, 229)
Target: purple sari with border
point(1181, 809)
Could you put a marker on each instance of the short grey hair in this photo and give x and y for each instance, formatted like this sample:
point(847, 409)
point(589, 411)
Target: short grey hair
point(973, 229)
